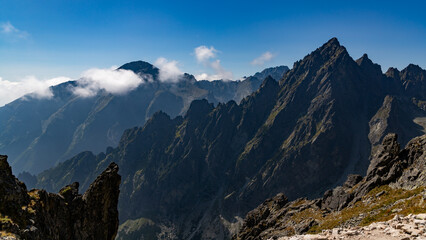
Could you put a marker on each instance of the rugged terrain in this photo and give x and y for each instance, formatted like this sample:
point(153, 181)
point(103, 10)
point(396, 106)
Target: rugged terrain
point(395, 184)
point(399, 228)
point(38, 133)
point(197, 176)
point(37, 214)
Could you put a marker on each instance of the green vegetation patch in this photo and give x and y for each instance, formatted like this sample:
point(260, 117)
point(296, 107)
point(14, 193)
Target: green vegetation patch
point(141, 228)
point(65, 190)
point(380, 204)
point(5, 219)
point(7, 234)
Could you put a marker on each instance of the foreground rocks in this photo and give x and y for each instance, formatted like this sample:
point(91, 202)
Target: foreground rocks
point(395, 184)
point(37, 214)
point(399, 228)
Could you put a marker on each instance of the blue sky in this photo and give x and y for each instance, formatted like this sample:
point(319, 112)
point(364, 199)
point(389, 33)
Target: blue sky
point(52, 38)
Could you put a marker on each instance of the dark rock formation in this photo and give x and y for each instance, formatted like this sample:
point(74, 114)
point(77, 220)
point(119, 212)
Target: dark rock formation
point(404, 168)
point(276, 73)
point(396, 114)
point(68, 215)
point(413, 79)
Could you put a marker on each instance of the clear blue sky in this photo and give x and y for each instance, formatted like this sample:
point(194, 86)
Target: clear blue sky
point(65, 37)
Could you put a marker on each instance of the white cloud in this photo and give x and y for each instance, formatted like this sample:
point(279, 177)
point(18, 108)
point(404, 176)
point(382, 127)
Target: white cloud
point(6, 28)
point(203, 53)
point(262, 59)
point(207, 56)
point(30, 85)
point(169, 70)
point(208, 77)
point(110, 80)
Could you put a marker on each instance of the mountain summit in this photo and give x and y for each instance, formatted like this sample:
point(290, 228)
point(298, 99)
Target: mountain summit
point(141, 67)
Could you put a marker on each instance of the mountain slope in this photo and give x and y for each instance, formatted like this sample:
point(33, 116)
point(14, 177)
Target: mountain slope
point(195, 177)
point(38, 133)
point(395, 184)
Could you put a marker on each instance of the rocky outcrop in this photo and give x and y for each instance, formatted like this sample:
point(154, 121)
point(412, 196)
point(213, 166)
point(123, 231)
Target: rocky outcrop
point(409, 227)
point(396, 115)
point(37, 214)
point(390, 168)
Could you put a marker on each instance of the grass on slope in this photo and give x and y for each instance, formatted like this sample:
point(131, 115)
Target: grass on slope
point(380, 204)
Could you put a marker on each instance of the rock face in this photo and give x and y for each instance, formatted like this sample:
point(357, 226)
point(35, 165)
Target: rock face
point(196, 176)
point(38, 133)
point(68, 215)
point(390, 166)
point(395, 115)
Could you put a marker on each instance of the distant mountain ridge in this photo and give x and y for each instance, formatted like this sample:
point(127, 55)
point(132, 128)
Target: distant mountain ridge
point(195, 177)
point(38, 133)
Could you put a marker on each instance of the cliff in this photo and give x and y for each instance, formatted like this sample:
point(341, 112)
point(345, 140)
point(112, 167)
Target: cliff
point(37, 214)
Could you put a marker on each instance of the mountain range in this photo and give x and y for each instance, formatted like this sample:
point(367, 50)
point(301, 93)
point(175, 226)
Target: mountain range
point(196, 176)
point(38, 133)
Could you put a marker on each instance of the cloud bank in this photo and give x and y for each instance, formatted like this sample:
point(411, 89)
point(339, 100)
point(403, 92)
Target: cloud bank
point(169, 70)
point(114, 81)
point(91, 82)
point(30, 86)
point(7, 29)
point(207, 56)
point(262, 59)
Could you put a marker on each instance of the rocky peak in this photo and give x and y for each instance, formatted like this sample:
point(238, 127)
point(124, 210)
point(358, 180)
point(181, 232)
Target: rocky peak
point(392, 73)
point(365, 63)
point(189, 78)
point(364, 60)
point(198, 109)
point(275, 72)
point(333, 42)
point(413, 68)
point(331, 48)
point(269, 83)
point(413, 73)
point(5, 169)
point(160, 117)
point(413, 79)
point(141, 68)
point(327, 54)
